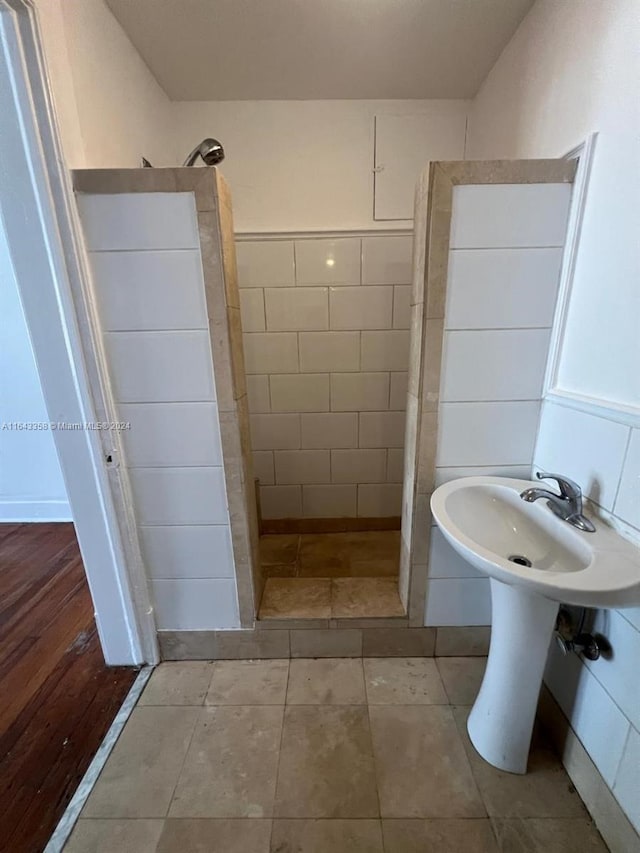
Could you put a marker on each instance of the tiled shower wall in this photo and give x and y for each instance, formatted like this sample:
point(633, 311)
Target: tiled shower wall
point(326, 339)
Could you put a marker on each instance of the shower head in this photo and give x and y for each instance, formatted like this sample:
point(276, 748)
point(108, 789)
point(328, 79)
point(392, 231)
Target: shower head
point(210, 150)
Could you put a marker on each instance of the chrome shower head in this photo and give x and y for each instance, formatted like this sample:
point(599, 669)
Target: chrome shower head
point(210, 150)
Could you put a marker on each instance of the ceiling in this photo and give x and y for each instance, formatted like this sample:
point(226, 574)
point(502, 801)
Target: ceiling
point(319, 49)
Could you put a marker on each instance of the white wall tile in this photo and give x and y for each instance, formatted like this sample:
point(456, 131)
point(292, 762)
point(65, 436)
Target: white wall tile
point(195, 604)
point(160, 366)
point(302, 466)
point(265, 263)
point(486, 433)
point(516, 472)
point(360, 307)
point(297, 310)
point(329, 351)
point(275, 432)
point(258, 394)
point(586, 448)
point(263, 467)
point(395, 465)
point(252, 309)
point(270, 353)
point(627, 504)
point(379, 499)
point(171, 434)
point(179, 495)
point(385, 350)
point(387, 260)
point(458, 601)
point(335, 429)
point(329, 501)
point(502, 288)
point(626, 788)
point(186, 551)
point(381, 429)
point(139, 221)
point(149, 290)
point(632, 615)
point(509, 215)
point(358, 466)
point(503, 364)
point(398, 396)
point(300, 392)
point(281, 501)
point(357, 392)
point(594, 716)
point(444, 562)
point(402, 307)
point(320, 261)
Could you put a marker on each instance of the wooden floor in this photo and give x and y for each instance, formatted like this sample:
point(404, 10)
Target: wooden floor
point(58, 697)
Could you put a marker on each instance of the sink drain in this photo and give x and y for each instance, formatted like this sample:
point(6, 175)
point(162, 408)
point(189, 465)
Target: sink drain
point(519, 559)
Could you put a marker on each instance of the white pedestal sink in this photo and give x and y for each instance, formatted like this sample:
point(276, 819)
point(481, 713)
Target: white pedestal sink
point(487, 522)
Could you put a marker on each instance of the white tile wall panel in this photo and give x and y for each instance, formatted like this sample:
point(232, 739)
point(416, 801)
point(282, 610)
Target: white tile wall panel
point(326, 261)
point(358, 392)
point(352, 308)
point(387, 260)
point(295, 467)
point(139, 221)
point(334, 429)
point(502, 288)
point(195, 604)
point(381, 429)
point(595, 718)
point(444, 562)
point(275, 432)
point(385, 350)
point(626, 788)
point(402, 307)
point(258, 394)
point(395, 465)
point(187, 551)
point(252, 310)
point(503, 364)
point(517, 472)
point(263, 467)
point(300, 392)
point(379, 499)
point(458, 601)
point(329, 352)
point(149, 290)
point(160, 366)
point(398, 394)
point(627, 505)
point(265, 263)
point(587, 448)
point(334, 501)
point(509, 215)
point(270, 353)
point(358, 466)
point(486, 433)
point(281, 501)
point(171, 434)
point(179, 495)
point(299, 310)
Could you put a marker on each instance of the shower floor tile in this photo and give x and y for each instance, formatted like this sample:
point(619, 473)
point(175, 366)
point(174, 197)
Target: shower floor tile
point(330, 598)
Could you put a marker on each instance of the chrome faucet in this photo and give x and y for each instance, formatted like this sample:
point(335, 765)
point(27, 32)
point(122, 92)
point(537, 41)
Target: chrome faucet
point(567, 505)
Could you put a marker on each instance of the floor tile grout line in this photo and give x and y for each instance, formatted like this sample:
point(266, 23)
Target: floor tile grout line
point(275, 787)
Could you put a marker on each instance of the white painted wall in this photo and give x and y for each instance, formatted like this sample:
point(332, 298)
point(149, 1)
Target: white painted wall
point(297, 165)
point(573, 68)
point(31, 484)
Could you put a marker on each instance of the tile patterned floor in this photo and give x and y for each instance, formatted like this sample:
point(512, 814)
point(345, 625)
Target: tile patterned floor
point(330, 598)
point(321, 756)
point(372, 553)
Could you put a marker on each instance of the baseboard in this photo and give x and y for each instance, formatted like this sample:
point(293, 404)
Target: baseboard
point(613, 824)
point(32, 511)
point(328, 525)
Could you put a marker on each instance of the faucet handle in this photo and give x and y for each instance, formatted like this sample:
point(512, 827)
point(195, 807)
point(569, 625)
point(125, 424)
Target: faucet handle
point(568, 488)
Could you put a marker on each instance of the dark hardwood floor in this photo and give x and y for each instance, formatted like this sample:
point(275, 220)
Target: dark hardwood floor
point(58, 698)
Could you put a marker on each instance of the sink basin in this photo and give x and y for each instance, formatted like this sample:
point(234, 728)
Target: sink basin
point(534, 560)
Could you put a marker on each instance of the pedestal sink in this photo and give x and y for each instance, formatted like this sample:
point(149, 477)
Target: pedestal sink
point(535, 560)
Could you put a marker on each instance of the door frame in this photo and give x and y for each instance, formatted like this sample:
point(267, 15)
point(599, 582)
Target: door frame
point(38, 212)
